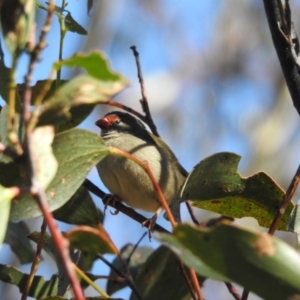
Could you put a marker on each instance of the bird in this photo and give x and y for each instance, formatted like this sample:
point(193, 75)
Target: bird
point(127, 180)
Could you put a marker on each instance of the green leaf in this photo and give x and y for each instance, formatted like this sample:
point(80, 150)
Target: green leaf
point(96, 65)
point(161, 275)
point(39, 87)
point(188, 257)
point(262, 264)
point(11, 175)
point(6, 195)
point(79, 210)
point(69, 23)
point(62, 298)
point(50, 248)
point(80, 91)
point(4, 131)
point(73, 26)
point(215, 185)
point(4, 80)
point(16, 238)
point(90, 239)
point(39, 288)
point(44, 163)
point(17, 18)
point(135, 261)
point(76, 152)
point(76, 116)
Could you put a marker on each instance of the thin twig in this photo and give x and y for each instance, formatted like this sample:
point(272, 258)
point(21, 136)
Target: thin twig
point(127, 273)
point(125, 276)
point(135, 246)
point(186, 279)
point(286, 201)
point(232, 291)
point(62, 245)
point(196, 284)
point(126, 108)
point(245, 294)
point(144, 101)
point(62, 35)
point(37, 191)
point(36, 261)
point(34, 58)
point(191, 212)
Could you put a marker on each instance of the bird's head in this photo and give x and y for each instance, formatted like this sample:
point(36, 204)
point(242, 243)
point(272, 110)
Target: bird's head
point(121, 122)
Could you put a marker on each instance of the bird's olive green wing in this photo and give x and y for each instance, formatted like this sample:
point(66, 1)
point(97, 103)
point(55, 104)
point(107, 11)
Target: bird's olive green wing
point(170, 155)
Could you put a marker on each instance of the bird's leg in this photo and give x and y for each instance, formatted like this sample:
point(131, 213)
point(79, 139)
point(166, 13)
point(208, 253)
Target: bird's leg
point(150, 223)
point(109, 198)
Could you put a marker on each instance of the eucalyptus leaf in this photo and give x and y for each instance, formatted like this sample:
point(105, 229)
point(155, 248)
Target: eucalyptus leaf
point(80, 91)
point(160, 276)
point(6, 195)
point(39, 288)
point(4, 131)
point(79, 210)
point(44, 163)
point(76, 152)
point(90, 239)
point(50, 248)
point(133, 261)
point(16, 238)
point(215, 185)
point(95, 64)
point(39, 87)
point(257, 261)
point(63, 298)
point(17, 20)
point(189, 258)
point(73, 26)
point(4, 80)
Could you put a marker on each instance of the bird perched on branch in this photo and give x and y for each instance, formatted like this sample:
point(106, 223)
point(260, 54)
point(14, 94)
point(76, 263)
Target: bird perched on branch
point(126, 179)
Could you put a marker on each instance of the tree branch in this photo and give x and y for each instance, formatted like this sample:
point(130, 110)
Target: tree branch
point(286, 44)
point(119, 206)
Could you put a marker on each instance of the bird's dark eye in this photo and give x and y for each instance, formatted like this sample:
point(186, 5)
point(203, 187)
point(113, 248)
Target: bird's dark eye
point(117, 121)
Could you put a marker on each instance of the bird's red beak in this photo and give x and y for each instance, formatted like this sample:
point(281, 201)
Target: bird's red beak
point(106, 122)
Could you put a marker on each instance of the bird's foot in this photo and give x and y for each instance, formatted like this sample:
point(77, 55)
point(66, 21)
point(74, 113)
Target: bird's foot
point(111, 200)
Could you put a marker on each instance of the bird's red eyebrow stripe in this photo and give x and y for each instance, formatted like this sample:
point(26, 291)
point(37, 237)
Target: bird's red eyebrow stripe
point(112, 119)
point(107, 121)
